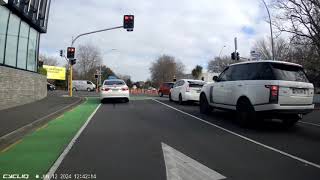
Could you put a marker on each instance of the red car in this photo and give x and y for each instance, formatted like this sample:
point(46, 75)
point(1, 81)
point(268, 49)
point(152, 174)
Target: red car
point(165, 88)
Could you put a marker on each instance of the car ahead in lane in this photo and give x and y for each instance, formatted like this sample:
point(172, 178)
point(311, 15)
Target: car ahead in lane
point(273, 89)
point(165, 88)
point(114, 89)
point(83, 85)
point(186, 90)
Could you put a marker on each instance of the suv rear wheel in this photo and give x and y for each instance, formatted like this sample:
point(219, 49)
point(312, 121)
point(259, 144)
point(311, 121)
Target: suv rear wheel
point(245, 112)
point(205, 108)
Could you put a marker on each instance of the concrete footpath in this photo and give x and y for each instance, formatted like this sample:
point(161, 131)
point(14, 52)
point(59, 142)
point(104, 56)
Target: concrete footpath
point(18, 121)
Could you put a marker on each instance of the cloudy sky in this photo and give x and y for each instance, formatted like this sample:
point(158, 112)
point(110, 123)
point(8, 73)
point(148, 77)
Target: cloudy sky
point(193, 31)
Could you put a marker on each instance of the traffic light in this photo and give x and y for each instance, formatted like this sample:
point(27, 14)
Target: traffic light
point(70, 52)
point(233, 56)
point(128, 22)
point(61, 53)
point(73, 61)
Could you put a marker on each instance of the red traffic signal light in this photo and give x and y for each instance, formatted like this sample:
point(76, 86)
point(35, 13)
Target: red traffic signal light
point(128, 22)
point(70, 52)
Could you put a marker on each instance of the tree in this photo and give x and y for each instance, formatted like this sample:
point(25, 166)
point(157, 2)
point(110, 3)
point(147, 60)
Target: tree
point(218, 64)
point(126, 79)
point(106, 72)
point(197, 71)
point(48, 60)
point(165, 68)
point(88, 61)
point(300, 18)
point(281, 49)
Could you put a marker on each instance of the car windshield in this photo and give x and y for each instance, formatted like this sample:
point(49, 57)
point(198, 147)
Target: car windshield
point(108, 83)
point(289, 72)
point(196, 84)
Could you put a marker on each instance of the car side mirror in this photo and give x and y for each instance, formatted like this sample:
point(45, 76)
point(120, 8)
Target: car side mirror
point(215, 78)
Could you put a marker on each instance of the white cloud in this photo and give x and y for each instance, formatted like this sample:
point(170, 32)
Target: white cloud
point(191, 30)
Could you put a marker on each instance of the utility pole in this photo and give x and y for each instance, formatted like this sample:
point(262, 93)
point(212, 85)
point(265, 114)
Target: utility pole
point(235, 45)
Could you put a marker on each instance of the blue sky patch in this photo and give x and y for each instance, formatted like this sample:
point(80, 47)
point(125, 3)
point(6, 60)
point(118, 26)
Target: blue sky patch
point(248, 30)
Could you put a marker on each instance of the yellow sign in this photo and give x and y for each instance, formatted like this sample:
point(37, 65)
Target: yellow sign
point(56, 73)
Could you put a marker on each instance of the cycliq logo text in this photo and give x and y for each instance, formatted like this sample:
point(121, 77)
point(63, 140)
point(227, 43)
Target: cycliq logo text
point(15, 176)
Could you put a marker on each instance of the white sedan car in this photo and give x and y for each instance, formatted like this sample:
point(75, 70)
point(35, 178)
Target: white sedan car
point(114, 88)
point(186, 90)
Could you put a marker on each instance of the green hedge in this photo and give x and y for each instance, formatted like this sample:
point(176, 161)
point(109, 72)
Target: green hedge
point(42, 71)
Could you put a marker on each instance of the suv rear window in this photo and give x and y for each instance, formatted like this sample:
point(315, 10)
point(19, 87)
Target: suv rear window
point(113, 83)
point(195, 84)
point(289, 72)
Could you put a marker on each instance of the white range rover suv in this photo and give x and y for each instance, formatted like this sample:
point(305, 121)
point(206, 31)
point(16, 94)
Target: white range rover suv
point(273, 89)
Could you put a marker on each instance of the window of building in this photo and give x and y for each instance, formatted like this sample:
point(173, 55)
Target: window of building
point(12, 40)
point(4, 15)
point(23, 45)
point(19, 43)
point(32, 50)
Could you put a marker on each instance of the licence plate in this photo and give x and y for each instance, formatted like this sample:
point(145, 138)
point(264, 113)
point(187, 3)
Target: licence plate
point(298, 91)
point(115, 90)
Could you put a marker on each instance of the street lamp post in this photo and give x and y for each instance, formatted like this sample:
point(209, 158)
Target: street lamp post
point(221, 51)
point(272, 45)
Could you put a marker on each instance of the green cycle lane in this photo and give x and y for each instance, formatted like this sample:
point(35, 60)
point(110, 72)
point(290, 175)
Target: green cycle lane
point(37, 152)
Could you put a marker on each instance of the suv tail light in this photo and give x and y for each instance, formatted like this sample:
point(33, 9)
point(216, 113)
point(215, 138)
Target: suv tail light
point(125, 89)
point(274, 93)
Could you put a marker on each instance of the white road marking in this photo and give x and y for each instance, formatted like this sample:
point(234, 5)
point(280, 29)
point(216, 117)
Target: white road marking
point(55, 166)
point(309, 123)
point(181, 167)
point(245, 138)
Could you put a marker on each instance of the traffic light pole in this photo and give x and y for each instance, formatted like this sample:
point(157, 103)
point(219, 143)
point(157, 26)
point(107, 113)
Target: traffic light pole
point(93, 32)
point(72, 43)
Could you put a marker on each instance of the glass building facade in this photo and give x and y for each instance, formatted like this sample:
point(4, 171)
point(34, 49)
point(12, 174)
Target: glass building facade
point(19, 42)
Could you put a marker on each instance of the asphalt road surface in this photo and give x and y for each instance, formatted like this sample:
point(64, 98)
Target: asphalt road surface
point(138, 140)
